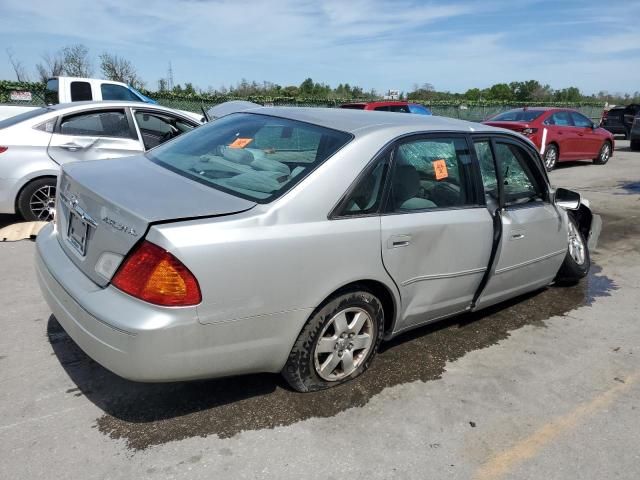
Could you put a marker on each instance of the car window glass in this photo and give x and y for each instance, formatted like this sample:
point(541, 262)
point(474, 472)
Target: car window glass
point(517, 116)
point(431, 173)
point(580, 120)
point(117, 92)
point(519, 185)
point(365, 198)
point(399, 108)
point(561, 119)
point(253, 156)
point(487, 168)
point(419, 109)
point(382, 109)
point(97, 124)
point(80, 91)
point(156, 129)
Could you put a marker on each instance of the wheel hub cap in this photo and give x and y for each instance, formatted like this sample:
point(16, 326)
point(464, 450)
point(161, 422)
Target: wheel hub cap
point(576, 245)
point(43, 203)
point(344, 344)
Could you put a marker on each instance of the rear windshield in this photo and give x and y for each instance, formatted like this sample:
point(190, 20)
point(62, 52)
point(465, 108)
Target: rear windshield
point(518, 116)
point(11, 121)
point(256, 157)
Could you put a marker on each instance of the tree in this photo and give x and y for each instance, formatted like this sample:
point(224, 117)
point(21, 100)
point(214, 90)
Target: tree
point(18, 67)
point(473, 94)
point(119, 69)
point(500, 91)
point(52, 66)
point(76, 61)
point(306, 87)
point(162, 85)
point(188, 89)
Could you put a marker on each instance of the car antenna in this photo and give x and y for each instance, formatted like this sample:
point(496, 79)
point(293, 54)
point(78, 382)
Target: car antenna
point(204, 112)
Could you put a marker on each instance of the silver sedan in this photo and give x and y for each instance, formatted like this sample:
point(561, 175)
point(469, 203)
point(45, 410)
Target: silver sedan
point(35, 143)
point(295, 240)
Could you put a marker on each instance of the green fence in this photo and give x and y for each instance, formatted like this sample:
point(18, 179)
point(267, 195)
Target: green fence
point(473, 111)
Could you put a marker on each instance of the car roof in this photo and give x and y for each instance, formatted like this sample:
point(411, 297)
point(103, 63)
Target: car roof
point(105, 103)
point(355, 121)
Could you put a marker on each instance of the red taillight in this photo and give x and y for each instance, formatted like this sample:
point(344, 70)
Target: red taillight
point(152, 274)
point(3, 149)
point(529, 131)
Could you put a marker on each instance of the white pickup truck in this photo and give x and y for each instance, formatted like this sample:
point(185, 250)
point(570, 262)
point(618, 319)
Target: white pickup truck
point(74, 89)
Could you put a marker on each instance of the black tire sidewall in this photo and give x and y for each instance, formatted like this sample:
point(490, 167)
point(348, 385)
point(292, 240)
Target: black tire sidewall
point(299, 371)
point(22, 203)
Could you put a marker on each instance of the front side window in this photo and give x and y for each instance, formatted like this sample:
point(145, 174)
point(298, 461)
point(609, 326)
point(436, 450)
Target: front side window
point(561, 119)
point(399, 108)
point(257, 157)
point(431, 173)
point(117, 92)
point(580, 120)
point(487, 168)
point(80, 91)
point(419, 109)
point(97, 124)
point(520, 186)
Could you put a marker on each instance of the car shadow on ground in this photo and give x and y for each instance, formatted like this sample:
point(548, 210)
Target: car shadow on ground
point(149, 414)
point(6, 220)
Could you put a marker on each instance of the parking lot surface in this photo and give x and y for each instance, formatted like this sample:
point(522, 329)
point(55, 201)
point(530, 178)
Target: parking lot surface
point(545, 386)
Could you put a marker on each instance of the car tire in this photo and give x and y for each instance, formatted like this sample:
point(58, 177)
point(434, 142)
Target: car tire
point(36, 201)
point(634, 145)
point(550, 157)
point(604, 155)
point(577, 261)
point(324, 355)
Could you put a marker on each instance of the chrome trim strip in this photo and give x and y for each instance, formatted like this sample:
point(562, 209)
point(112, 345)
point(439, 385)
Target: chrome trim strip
point(443, 275)
point(529, 262)
point(72, 203)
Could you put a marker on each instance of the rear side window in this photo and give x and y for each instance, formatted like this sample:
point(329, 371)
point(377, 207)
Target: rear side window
point(354, 106)
point(561, 119)
point(51, 93)
point(80, 91)
point(487, 168)
point(399, 108)
point(97, 124)
point(117, 92)
point(21, 117)
point(366, 197)
point(431, 173)
point(382, 109)
point(257, 157)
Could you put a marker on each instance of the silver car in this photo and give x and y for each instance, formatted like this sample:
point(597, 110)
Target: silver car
point(35, 143)
point(295, 240)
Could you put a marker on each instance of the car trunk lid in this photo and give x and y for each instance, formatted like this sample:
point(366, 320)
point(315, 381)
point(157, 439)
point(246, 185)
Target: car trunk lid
point(105, 207)
point(515, 126)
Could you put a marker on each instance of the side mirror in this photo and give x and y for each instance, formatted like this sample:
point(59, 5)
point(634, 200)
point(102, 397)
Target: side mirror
point(567, 199)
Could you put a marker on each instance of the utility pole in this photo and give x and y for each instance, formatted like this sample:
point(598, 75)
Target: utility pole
point(170, 77)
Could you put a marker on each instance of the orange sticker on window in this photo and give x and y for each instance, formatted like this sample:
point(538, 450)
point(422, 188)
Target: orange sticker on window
point(440, 167)
point(241, 142)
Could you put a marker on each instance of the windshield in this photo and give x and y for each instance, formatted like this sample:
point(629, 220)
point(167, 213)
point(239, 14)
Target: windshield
point(256, 157)
point(517, 116)
point(31, 113)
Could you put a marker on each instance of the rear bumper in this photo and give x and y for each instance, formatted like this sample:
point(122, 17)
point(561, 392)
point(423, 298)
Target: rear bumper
point(146, 343)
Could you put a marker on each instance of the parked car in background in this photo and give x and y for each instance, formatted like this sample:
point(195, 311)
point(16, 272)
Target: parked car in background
point(618, 119)
point(76, 89)
point(295, 240)
point(634, 134)
point(389, 106)
point(34, 144)
point(560, 134)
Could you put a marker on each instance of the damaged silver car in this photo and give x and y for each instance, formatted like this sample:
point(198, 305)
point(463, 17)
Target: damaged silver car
point(295, 240)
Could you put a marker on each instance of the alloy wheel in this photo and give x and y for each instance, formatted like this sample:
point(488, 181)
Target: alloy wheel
point(344, 344)
point(605, 153)
point(550, 158)
point(43, 203)
point(576, 244)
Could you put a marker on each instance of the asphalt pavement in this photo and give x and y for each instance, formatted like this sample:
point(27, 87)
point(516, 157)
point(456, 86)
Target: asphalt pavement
point(545, 386)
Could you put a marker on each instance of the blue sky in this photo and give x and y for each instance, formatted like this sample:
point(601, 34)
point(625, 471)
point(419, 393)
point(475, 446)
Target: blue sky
point(454, 45)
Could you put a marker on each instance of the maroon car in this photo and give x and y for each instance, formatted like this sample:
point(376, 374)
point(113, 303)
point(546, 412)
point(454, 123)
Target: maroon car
point(560, 134)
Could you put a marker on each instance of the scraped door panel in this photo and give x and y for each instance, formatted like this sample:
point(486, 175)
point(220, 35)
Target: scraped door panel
point(70, 148)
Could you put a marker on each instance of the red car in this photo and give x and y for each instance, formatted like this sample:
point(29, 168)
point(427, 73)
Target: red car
point(560, 134)
point(389, 106)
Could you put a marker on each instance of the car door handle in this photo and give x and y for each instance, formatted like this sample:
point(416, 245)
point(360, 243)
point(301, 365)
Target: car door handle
point(396, 241)
point(517, 236)
point(72, 147)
